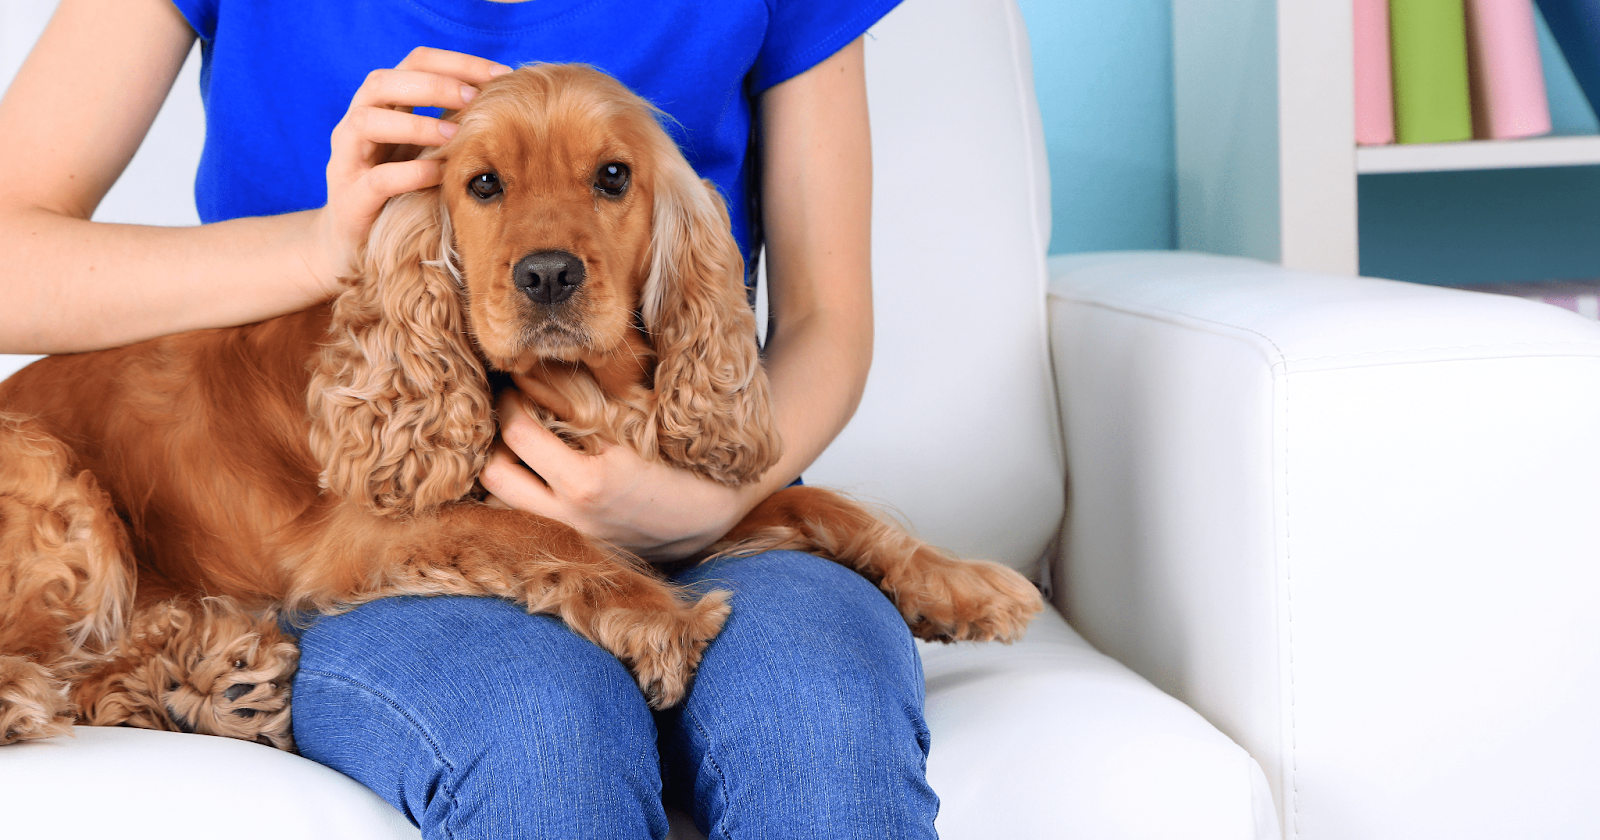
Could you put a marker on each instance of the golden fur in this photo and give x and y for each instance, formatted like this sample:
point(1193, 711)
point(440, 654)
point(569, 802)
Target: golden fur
point(161, 503)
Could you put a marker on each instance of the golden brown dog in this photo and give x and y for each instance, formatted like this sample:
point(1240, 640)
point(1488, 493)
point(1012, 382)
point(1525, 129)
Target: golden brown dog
point(159, 503)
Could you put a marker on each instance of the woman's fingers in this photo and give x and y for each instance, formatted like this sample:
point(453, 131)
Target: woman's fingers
point(470, 69)
point(379, 117)
point(364, 169)
point(372, 125)
point(532, 442)
point(511, 484)
point(509, 479)
point(412, 89)
point(391, 179)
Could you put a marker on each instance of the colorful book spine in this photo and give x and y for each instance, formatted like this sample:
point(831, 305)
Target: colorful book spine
point(1374, 82)
point(1508, 95)
point(1575, 24)
point(1432, 103)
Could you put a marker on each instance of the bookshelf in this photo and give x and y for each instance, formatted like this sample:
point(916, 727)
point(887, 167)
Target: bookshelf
point(1479, 154)
point(1266, 158)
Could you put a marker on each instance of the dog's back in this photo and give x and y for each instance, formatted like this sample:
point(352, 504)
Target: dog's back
point(200, 439)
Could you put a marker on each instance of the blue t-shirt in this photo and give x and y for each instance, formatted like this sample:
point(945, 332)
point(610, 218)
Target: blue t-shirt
point(277, 75)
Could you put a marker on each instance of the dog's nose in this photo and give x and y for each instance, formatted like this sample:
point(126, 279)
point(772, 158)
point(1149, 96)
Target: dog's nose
point(549, 277)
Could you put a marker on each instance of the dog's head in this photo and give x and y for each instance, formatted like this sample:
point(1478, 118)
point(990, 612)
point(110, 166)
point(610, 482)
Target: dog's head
point(568, 228)
point(550, 187)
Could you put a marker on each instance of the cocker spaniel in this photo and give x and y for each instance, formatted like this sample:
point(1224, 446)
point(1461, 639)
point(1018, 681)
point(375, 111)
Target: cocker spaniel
point(161, 503)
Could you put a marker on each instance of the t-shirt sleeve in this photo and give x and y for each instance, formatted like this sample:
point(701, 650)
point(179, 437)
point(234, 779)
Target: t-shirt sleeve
point(802, 33)
point(201, 15)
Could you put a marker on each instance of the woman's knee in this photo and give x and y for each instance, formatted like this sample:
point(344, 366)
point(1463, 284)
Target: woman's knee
point(813, 693)
point(805, 629)
point(447, 706)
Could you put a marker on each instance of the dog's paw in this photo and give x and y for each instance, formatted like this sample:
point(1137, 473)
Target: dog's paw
point(33, 703)
point(663, 647)
point(948, 600)
point(236, 687)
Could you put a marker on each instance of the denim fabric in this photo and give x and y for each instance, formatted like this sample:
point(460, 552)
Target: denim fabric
point(477, 720)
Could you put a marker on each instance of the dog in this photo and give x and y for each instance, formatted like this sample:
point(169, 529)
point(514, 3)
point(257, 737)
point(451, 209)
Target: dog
point(164, 505)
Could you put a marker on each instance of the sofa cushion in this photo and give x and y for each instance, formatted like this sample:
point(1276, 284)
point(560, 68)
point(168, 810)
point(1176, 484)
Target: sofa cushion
point(1028, 740)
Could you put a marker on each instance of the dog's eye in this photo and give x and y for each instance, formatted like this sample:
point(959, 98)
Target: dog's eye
point(485, 186)
point(611, 178)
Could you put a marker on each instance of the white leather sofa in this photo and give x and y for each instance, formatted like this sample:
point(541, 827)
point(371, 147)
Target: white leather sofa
point(1354, 523)
point(959, 431)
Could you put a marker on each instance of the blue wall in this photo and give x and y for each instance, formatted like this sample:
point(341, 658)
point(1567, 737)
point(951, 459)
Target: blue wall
point(1103, 71)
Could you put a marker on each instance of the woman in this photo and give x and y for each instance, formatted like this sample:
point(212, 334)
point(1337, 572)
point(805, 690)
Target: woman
point(473, 718)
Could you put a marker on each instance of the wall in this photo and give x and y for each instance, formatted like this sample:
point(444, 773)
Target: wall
point(1103, 71)
point(146, 192)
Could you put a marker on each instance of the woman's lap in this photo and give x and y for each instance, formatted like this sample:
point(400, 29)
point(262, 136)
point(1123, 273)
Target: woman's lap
point(428, 701)
point(476, 719)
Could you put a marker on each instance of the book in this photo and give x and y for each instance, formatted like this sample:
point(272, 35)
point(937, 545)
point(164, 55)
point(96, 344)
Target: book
point(1432, 103)
point(1507, 76)
point(1374, 82)
point(1575, 24)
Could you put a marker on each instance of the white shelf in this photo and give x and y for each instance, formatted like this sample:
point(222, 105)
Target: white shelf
point(1479, 154)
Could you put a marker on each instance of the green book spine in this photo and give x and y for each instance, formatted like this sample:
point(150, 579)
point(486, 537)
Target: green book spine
point(1429, 46)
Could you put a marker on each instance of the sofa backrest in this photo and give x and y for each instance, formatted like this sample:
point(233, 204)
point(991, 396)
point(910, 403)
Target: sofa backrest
point(957, 431)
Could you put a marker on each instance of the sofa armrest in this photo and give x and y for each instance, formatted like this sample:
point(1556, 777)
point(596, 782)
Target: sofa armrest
point(1351, 521)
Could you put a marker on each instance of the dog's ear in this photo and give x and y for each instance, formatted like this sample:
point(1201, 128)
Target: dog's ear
point(401, 414)
point(713, 411)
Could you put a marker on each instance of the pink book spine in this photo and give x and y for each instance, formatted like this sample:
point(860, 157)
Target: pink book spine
point(1508, 95)
point(1374, 79)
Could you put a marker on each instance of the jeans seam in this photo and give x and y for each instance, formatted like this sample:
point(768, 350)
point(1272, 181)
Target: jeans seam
point(722, 778)
point(433, 744)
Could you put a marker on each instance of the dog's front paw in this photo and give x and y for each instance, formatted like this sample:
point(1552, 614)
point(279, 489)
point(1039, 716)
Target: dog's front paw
point(948, 600)
point(663, 647)
point(33, 703)
point(208, 667)
point(240, 690)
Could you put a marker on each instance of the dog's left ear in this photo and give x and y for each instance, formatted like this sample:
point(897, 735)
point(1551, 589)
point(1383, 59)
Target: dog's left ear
point(401, 414)
point(713, 410)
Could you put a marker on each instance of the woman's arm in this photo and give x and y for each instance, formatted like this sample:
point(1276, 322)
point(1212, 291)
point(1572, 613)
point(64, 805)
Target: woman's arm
point(817, 203)
point(816, 190)
point(73, 118)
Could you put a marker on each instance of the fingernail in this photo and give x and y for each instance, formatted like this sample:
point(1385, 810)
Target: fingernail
point(467, 92)
point(448, 129)
point(499, 70)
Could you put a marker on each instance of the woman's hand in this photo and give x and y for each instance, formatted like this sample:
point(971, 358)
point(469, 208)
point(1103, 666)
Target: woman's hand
point(369, 163)
point(655, 510)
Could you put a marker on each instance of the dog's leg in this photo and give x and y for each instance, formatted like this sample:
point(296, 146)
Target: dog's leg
point(605, 595)
point(942, 598)
point(65, 578)
point(206, 666)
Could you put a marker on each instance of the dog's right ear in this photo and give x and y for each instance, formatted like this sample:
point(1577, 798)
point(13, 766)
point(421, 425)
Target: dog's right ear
point(401, 414)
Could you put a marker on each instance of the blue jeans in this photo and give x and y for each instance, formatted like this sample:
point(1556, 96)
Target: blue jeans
point(477, 720)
